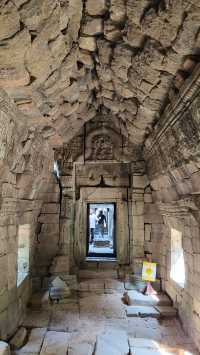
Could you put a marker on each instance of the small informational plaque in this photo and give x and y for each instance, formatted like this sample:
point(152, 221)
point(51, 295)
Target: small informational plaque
point(148, 271)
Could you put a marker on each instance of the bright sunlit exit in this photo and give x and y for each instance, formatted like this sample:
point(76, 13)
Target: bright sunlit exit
point(177, 272)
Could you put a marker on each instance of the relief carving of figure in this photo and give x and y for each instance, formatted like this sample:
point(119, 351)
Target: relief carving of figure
point(102, 147)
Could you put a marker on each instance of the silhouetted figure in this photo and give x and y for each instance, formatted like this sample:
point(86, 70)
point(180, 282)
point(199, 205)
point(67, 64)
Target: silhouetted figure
point(101, 221)
point(93, 219)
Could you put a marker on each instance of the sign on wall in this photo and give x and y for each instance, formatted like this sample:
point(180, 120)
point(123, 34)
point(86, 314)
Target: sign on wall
point(149, 271)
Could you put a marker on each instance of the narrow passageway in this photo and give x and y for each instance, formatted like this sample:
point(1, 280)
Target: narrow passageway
point(99, 164)
point(95, 321)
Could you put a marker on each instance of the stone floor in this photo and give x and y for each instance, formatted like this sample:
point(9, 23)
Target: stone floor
point(94, 322)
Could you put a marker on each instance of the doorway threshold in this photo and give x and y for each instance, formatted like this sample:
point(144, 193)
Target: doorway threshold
point(100, 259)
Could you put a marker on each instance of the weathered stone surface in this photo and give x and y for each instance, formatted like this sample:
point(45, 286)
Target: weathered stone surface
point(87, 43)
point(142, 343)
point(60, 265)
point(59, 290)
point(81, 349)
point(55, 343)
point(112, 342)
point(9, 20)
point(66, 321)
point(96, 8)
point(117, 11)
point(34, 12)
point(166, 311)
point(37, 319)
point(93, 27)
point(120, 83)
point(35, 341)
point(19, 338)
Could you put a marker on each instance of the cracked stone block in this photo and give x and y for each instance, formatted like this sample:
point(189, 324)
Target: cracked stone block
point(142, 311)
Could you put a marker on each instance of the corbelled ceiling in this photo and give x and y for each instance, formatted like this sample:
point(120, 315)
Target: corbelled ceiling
point(65, 61)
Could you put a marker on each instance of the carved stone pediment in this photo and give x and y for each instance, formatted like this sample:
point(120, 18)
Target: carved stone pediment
point(99, 142)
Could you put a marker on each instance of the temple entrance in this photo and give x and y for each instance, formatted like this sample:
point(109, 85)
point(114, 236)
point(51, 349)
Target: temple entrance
point(101, 241)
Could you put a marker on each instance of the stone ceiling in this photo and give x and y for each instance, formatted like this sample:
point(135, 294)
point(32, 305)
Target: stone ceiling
point(65, 61)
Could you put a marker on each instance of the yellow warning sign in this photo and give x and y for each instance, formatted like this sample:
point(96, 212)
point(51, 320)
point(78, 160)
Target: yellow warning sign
point(148, 271)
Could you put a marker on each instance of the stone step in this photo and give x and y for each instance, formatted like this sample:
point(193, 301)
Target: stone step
point(142, 311)
point(138, 298)
point(135, 283)
point(166, 311)
point(150, 311)
point(101, 243)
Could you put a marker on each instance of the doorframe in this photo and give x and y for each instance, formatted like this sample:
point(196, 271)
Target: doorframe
point(102, 255)
point(123, 230)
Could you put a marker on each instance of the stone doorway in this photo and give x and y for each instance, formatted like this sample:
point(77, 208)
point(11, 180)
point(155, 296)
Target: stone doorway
point(101, 227)
point(109, 196)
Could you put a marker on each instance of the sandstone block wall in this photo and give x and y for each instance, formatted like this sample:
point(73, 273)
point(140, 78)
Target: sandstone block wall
point(186, 298)
point(25, 172)
point(172, 155)
point(63, 63)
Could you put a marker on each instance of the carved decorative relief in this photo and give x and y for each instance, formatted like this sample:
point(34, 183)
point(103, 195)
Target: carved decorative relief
point(102, 148)
point(98, 141)
point(177, 138)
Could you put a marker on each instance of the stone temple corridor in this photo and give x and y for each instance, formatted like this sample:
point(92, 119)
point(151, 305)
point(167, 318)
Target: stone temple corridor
point(94, 321)
point(99, 172)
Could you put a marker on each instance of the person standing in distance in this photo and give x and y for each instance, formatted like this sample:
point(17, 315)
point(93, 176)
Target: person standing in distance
point(101, 220)
point(92, 225)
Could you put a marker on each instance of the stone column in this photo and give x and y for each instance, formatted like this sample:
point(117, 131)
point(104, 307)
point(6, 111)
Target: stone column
point(139, 182)
point(64, 260)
